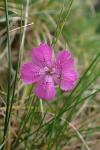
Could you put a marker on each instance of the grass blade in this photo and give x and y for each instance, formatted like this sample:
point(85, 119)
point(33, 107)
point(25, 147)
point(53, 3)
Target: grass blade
point(9, 69)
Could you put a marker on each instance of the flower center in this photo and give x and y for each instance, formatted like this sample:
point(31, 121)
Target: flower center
point(49, 71)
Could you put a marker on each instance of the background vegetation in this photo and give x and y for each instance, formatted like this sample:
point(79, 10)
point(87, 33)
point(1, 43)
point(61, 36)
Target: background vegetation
point(72, 120)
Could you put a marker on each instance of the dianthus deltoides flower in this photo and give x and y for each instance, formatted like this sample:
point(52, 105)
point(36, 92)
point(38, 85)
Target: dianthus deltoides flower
point(46, 72)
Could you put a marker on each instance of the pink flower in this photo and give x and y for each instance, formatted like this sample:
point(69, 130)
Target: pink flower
point(46, 72)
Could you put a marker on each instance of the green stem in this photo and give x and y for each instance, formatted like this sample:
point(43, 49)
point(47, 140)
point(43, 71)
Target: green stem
point(15, 80)
point(9, 70)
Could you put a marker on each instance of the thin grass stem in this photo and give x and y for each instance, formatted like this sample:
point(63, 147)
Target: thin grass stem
point(41, 107)
point(9, 69)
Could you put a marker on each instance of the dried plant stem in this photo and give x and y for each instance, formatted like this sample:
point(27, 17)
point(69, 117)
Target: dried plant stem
point(41, 107)
point(24, 31)
point(23, 35)
point(79, 135)
point(27, 25)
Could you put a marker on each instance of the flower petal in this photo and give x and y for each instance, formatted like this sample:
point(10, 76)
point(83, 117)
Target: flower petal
point(65, 74)
point(42, 55)
point(68, 80)
point(45, 89)
point(30, 73)
point(64, 60)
